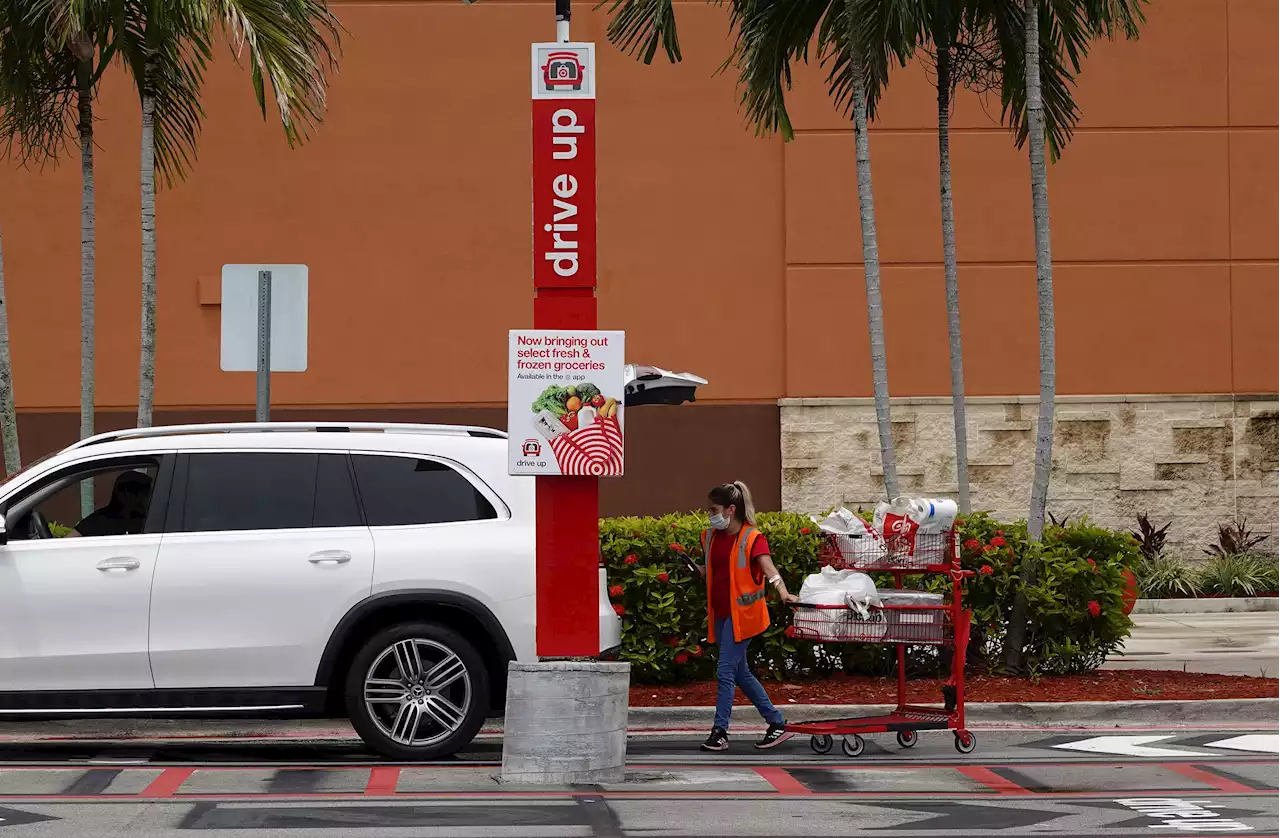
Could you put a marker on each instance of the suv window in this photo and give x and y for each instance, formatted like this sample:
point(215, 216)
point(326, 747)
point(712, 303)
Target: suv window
point(403, 491)
point(249, 491)
point(268, 490)
point(121, 491)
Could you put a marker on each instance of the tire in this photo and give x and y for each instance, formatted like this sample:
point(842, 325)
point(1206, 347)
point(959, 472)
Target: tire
point(907, 738)
point(821, 744)
point(411, 720)
point(965, 741)
point(853, 745)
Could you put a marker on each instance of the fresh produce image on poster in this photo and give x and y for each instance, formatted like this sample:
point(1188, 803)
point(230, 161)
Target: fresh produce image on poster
point(565, 396)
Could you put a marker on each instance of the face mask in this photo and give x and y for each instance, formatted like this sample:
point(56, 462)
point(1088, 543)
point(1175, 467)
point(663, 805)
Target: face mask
point(720, 522)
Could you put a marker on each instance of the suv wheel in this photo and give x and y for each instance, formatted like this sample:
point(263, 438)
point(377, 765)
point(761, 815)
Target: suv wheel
point(417, 691)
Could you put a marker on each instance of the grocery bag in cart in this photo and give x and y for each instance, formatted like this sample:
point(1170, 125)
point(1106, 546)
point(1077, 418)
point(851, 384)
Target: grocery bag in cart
point(915, 529)
point(857, 543)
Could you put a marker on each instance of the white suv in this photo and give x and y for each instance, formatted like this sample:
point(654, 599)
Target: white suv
point(381, 572)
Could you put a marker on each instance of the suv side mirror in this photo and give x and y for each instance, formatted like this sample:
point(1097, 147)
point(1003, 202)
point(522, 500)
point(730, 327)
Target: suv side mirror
point(4, 532)
point(654, 385)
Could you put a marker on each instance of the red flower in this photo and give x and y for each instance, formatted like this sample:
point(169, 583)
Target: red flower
point(1092, 562)
point(673, 526)
point(632, 559)
point(678, 548)
point(619, 610)
point(999, 532)
point(805, 530)
point(987, 570)
point(971, 544)
point(672, 642)
point(988, 549)
point(616, 590)
point(998, 541)
point(662, 577)
point(1094, 608)
point(682, 658)
point(696, 651)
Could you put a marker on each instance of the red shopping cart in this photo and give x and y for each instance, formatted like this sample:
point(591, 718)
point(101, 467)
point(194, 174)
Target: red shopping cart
point(907, 618)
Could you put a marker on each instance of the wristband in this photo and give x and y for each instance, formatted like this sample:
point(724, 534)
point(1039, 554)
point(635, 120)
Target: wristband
point(775, 579)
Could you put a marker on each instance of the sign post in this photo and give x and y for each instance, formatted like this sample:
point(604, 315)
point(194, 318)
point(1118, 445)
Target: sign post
point(563, 76)
point(263, 411)
point(567, 691)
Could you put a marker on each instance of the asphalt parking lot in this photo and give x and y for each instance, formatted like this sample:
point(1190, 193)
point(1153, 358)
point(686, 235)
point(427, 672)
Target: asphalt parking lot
point(1060, 782)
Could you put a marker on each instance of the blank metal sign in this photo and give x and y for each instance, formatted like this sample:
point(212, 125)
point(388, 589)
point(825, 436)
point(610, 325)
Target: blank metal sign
point(240, 317)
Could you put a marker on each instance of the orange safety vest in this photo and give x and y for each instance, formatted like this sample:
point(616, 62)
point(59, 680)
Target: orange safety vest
point(747, 606)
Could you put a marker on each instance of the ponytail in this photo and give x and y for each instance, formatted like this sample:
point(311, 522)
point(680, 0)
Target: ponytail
point(737, 495)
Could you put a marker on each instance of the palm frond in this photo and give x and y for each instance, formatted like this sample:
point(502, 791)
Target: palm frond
point(639, 27)
point(293, 46)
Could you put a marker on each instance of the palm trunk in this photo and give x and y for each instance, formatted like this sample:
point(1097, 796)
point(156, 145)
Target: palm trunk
point(871, 263)
point(8, 414)
point(950, 271)
point(84, 85)
point(1044, 290)
point(147, 364)
point(1044, 276)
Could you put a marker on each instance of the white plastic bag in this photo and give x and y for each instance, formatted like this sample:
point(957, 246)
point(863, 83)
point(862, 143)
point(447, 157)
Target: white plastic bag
point(858, 541)
point(841, 587)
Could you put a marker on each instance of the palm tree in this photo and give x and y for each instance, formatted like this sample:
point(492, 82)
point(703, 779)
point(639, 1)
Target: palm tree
point(8, 414)
point(771, 36)
point(52, 55)
point(1042, 45)
point(167, 46)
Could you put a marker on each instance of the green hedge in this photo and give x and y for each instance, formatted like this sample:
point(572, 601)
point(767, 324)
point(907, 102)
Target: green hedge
point(1075, 610)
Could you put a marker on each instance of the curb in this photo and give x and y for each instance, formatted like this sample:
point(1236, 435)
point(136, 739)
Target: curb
point(1082, 713)
point(1207, 605)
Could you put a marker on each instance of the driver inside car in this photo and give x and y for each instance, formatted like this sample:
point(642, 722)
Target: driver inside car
point(124, 514)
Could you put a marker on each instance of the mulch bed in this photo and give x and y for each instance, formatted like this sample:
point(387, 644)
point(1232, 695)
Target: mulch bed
point(1118, 685)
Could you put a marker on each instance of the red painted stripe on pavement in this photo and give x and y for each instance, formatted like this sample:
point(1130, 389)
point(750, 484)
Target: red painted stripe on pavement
point(991, 779)
point(1222, 784)
point(782, 781)
point(168, 783)
point(383, 781)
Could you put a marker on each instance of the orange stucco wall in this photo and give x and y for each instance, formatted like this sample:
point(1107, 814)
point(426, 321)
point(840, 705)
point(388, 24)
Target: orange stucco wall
point(730, 255)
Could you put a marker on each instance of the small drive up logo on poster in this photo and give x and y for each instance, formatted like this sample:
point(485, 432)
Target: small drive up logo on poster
point(564, 403)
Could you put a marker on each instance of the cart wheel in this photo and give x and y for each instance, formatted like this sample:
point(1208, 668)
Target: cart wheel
point(821, 744)
point(853, 745)
point(965, 741)
point(907, 738)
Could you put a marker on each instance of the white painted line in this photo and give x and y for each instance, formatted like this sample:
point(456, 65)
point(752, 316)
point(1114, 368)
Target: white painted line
point(1263, 743)
point(1129, 746)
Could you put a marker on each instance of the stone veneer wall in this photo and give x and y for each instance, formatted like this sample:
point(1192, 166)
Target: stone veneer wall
point(1195, 460)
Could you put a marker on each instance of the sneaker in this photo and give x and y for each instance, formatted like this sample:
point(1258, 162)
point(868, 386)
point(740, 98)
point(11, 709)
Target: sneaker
point(775, 735)
point(717, 741)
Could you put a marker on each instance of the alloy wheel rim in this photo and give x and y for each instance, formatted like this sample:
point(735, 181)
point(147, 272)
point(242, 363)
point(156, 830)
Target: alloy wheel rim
point(417, 692)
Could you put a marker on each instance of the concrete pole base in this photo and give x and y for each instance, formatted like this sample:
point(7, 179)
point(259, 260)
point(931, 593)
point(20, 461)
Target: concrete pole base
point(566, 723)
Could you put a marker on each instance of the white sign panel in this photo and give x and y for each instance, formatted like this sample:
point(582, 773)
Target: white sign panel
point(564, 403)
point(288, 317)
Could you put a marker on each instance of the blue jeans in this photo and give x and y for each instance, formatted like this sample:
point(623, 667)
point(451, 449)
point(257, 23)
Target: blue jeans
point(732, 672)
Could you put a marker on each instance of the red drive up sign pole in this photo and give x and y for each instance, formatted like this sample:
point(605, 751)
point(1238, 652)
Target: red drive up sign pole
point(564, 284)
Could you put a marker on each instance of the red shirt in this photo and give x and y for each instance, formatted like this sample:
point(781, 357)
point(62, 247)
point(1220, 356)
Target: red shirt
point(720, 563)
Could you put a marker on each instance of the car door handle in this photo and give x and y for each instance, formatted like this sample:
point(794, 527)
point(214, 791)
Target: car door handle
point(330, 557)
point(119, 563)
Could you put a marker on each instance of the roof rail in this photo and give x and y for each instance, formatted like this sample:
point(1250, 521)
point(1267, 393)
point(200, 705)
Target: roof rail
point(289, 427)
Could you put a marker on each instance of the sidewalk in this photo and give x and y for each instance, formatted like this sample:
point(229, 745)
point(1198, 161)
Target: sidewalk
point(1225, 644)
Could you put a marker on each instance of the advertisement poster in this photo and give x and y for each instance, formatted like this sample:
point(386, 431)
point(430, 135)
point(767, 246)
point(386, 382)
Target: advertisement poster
point(564, 403)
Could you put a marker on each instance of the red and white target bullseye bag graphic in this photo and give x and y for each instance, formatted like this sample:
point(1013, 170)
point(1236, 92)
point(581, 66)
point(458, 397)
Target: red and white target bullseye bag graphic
point(594, 450)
